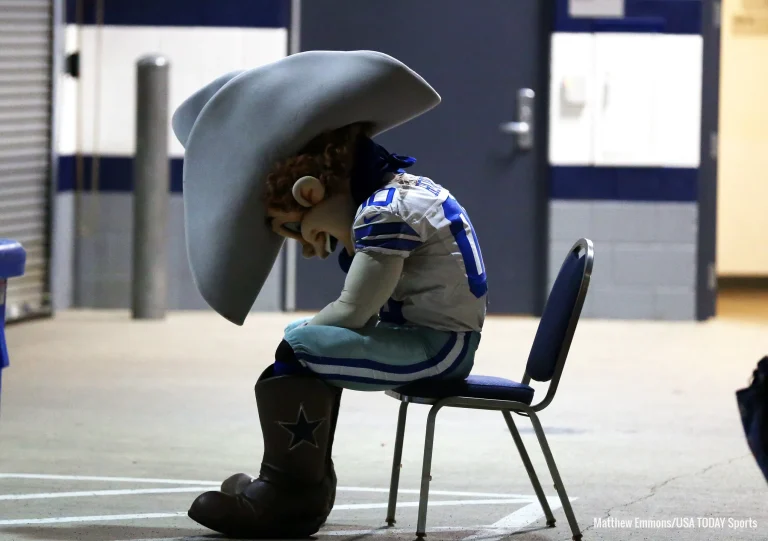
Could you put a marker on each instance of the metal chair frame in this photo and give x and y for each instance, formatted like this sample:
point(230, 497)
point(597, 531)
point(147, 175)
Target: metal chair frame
point(505, 407)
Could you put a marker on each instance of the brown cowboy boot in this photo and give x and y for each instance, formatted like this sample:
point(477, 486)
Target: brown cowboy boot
point(296, 487)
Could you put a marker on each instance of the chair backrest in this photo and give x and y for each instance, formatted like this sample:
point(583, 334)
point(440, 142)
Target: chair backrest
point(559, 319)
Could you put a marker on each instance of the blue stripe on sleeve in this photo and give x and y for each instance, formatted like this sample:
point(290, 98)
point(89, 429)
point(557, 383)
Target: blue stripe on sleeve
point(400, 245)
point(389, 228)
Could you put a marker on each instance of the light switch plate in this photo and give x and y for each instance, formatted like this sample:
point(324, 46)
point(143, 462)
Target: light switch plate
point(595, 8)
point(574, 89)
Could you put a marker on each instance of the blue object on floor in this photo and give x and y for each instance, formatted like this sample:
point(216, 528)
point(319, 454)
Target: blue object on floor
point(545, 365)
point(13, 258)
point(753, 408)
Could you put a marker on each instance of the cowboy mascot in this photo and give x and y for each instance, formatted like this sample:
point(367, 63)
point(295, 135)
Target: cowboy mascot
point(286, 151)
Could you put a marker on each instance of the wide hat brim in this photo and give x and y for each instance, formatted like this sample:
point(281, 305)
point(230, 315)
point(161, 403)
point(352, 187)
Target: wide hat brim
point(236, 128)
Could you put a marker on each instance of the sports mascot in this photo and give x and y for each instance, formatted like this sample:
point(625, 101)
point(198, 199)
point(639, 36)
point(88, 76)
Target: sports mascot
point(286, 151)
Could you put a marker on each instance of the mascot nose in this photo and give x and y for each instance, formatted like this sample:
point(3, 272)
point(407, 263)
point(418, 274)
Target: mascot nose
point(317, 239)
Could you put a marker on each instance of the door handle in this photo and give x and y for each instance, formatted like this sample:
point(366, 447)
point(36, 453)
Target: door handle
point(523, 127)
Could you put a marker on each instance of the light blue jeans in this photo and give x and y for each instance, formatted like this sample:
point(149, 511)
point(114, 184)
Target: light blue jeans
point(381, 356)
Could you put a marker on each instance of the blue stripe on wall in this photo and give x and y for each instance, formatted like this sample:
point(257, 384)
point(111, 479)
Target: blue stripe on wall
point(232, 13)
point(598, 183)
point(624, 183)
point(657, 16)
point(115, 174)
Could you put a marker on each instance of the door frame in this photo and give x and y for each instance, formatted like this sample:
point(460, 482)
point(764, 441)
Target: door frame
point(543, 171)
point(58, 30)
point(540, 257)
point(706, 269)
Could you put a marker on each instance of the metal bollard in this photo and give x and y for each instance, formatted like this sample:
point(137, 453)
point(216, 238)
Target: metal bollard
point(150, 192)
point(13, 260)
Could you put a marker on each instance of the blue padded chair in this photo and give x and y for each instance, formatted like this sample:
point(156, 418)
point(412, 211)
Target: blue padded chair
point(13, 259)
point(545, 364)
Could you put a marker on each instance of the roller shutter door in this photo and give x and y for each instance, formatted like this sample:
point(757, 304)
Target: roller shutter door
point(25, 146)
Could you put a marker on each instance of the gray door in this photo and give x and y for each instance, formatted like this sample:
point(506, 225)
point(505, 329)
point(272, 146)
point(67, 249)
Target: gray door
point(478, 56)
point(26, 55)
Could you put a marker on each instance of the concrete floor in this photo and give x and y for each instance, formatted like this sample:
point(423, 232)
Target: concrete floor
point(137, 418)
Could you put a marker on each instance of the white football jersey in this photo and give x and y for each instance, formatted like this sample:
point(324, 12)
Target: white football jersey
point(443, 285)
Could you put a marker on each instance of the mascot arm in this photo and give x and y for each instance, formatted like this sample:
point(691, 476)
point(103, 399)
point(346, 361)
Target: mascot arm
point(369, 284)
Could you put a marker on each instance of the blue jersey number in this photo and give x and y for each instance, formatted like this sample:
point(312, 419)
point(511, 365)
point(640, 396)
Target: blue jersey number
point(465, 236)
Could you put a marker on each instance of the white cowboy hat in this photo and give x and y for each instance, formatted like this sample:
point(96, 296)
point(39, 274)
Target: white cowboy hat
point(236, 128)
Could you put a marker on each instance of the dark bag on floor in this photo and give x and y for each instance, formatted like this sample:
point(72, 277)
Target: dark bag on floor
point(753, 406)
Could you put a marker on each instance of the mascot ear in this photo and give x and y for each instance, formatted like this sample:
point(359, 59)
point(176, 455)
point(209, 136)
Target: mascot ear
point(308, 191)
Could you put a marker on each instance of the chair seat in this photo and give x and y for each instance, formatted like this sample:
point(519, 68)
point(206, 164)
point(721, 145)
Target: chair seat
point(488, 387)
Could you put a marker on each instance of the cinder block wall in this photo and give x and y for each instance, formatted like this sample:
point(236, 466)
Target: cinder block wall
point(202, 39)
point(645, 264)
point(625, 110)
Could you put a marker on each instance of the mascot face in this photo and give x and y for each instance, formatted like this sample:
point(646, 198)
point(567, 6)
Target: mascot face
point(322, 223)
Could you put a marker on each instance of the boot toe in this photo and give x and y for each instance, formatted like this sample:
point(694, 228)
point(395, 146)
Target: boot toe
point(213, 510)
point(235, 484)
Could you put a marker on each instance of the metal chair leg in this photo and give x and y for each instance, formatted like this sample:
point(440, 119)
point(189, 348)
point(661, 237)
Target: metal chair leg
point(529, 468)
point(426, 471)
point(396, 463)
point(555, 476)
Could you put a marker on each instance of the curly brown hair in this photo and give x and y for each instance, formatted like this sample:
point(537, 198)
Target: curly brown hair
point(329, 157)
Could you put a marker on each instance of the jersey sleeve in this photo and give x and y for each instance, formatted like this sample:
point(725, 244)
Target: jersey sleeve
point(370, 282)
point(383, 228)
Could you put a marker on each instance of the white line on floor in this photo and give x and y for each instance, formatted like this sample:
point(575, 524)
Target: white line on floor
point(98, 478)
point(101, 518)
point(432, 503)
point(342, 507)
point(438, 492)
point(217, 484)
point(514, 522)
point(193, 538)
point(337, 533)
point(390, 531)
point(83, 494)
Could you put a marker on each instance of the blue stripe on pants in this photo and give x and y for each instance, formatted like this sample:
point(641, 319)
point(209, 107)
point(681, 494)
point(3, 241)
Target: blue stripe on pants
point(383, 356)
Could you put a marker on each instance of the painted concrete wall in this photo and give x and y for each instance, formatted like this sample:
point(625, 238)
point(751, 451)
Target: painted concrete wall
point(202, 39)
point(625, 109)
